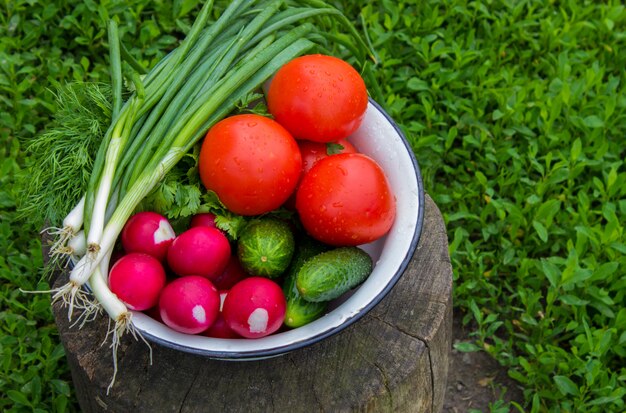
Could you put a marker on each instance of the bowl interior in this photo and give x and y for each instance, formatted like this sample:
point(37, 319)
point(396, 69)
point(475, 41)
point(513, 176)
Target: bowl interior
point(379, 138)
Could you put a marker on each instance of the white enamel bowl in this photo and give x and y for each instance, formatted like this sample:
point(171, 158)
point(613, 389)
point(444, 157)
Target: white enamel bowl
point(381, 139)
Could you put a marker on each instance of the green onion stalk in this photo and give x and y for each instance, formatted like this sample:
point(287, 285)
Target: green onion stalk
point(196, 85)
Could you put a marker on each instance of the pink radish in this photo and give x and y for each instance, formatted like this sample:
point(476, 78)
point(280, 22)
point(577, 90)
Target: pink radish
point(189, 304)
point(201, 251)
point(204, 219)
point(219, 328)
point(148, 232)
point(232, 274)
point(255, 307)
point(137, 279)
point(115, 257)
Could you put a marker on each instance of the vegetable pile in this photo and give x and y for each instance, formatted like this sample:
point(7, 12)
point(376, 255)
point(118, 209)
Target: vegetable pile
point(219, 209)
point(303, 207)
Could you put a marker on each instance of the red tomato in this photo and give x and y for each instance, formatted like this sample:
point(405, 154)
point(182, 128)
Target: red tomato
point(345, 200)
point(318, 98)
point(314, 151)
point(251, 162)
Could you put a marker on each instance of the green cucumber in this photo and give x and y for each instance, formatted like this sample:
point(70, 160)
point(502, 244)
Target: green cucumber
point(330, 274)
point(300, 311)
point(265, 247)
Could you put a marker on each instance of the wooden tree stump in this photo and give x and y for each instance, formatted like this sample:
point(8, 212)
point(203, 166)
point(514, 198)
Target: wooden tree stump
point(395, 359)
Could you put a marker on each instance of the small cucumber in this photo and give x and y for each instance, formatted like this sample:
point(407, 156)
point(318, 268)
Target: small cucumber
point(300, 311)
point(265, 247)
point(330, 274)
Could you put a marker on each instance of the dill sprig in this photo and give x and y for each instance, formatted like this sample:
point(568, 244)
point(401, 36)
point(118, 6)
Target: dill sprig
point(61, 157)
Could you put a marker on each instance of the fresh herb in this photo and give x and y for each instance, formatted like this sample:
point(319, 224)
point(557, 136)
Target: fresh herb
point(62, 157)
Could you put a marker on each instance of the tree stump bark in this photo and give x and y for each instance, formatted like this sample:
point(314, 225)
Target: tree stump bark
point(395, 359)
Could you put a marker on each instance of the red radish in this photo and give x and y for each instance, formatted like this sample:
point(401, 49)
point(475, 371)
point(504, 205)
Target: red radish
point(219, 328)
point(189, 304)
point(233, 273)
point(137, 279)
point(204, 219)
point(148, 232)
point(255, 307)
point(201, 251)
point(115, 257)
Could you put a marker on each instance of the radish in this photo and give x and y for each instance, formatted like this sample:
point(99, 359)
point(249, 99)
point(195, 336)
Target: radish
point(219, 328)
point(232, 274)
point(116, 255)
point(189, 304)
point(148, 232)
point(204, 219)
point(137, 279)
point(255, 307)
point(201, 251)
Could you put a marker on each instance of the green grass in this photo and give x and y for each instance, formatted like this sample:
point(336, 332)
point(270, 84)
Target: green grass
point(516, 111)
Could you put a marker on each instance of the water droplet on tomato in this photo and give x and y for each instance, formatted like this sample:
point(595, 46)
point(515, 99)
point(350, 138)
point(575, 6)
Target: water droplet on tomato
point(323, 208)
point(251, 124)
point(338, 204)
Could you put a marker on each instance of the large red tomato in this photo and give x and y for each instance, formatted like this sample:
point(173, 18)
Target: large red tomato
point(345, 200)
point(251, 162)
point(318, 98)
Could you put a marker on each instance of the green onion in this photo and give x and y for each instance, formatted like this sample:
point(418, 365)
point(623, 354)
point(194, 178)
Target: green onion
point(116, 67)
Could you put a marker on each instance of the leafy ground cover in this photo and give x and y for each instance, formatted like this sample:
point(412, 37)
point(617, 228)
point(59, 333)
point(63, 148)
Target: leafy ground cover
point(516, 111)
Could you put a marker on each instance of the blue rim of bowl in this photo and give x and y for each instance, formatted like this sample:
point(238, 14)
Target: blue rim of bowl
point(276, 351)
